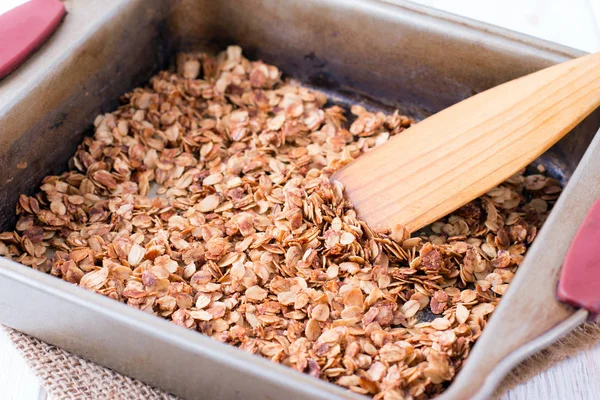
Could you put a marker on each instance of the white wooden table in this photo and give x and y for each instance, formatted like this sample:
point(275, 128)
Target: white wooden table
point(575, 23)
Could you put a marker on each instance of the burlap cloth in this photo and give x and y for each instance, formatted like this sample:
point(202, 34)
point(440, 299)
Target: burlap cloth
point(67, 376)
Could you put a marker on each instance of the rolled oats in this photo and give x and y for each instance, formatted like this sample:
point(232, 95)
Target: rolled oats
point(205, 199)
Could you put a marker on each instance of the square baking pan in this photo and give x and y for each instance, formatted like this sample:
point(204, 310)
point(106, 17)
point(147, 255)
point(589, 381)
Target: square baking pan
point(383, 54)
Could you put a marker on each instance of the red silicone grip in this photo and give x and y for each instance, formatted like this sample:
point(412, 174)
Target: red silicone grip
point(579, 283)
point(24, 28)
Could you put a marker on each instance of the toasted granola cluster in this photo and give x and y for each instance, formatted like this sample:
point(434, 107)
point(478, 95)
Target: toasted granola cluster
point(205, 199)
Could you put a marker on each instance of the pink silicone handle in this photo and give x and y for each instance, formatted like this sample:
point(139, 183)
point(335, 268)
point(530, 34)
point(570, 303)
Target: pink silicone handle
point(24, 28)
point(579, 283)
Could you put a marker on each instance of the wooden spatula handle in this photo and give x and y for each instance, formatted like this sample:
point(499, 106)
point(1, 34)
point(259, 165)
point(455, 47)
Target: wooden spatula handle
point(463, 151)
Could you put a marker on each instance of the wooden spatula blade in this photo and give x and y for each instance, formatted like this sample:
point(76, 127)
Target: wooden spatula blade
point(460, 153)
point(579, 283)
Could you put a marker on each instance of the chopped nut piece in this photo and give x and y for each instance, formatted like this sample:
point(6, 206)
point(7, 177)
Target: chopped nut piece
point(410, 308)
point(354, 298)
point(313, 330)
point(136, 254)
point(201, 315)
point(391, 352)
point(209, 203)
point(462, 313)
point(441, 324)
point(320, 312)
point(256, 293)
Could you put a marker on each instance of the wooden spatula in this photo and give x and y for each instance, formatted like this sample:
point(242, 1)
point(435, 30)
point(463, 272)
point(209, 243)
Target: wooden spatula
point(458, 154)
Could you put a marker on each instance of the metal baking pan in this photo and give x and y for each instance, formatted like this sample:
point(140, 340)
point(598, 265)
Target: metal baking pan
point(385, 54)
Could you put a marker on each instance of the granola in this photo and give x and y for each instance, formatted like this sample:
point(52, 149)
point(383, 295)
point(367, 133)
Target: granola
point(205, 199)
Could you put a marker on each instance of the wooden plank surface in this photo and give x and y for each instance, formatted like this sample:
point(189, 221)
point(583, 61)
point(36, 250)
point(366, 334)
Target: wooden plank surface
point(575, 23)
point(17, 381)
